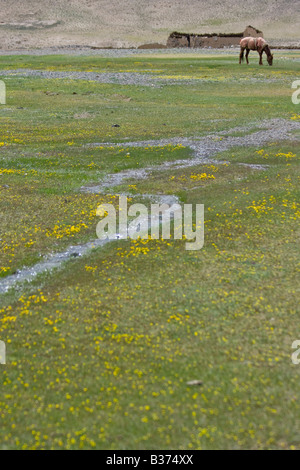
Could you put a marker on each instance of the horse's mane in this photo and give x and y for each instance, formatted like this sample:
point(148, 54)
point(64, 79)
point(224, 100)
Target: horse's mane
point(267, 48)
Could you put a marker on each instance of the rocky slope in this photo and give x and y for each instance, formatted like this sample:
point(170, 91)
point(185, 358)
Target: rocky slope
point(104, 23)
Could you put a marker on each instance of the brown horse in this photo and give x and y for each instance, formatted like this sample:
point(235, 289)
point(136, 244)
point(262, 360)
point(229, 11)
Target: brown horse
point(255, 44)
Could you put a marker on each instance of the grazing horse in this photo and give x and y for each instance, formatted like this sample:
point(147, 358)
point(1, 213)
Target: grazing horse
point(255, 44)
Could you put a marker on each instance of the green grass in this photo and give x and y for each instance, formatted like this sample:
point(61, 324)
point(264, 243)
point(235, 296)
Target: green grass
point(99, 353)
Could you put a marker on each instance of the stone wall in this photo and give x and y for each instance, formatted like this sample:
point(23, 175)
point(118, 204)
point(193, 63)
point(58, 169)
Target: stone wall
point(213, 40)
point(251, 31)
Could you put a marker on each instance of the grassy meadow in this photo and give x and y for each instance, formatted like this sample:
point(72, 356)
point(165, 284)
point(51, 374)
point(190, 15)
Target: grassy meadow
point(99, 353)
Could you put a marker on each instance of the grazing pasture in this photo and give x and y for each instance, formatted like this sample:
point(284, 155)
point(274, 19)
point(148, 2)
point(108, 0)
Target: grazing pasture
point(101, 349)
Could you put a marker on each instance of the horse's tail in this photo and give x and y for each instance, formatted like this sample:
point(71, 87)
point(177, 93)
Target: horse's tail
point(242, 55)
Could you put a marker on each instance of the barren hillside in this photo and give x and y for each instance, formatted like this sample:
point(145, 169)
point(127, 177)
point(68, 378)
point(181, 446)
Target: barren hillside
point(33, 23)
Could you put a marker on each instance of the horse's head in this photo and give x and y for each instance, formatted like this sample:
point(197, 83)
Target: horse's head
point(270, 59)
point(269, 55)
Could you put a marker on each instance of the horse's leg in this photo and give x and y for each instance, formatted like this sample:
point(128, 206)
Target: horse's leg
point(242, 54)
point(247, 53)
point(260, 52)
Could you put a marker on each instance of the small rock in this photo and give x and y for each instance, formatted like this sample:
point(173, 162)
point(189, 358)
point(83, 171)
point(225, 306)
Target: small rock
point(115, 125)
point(195, 382)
